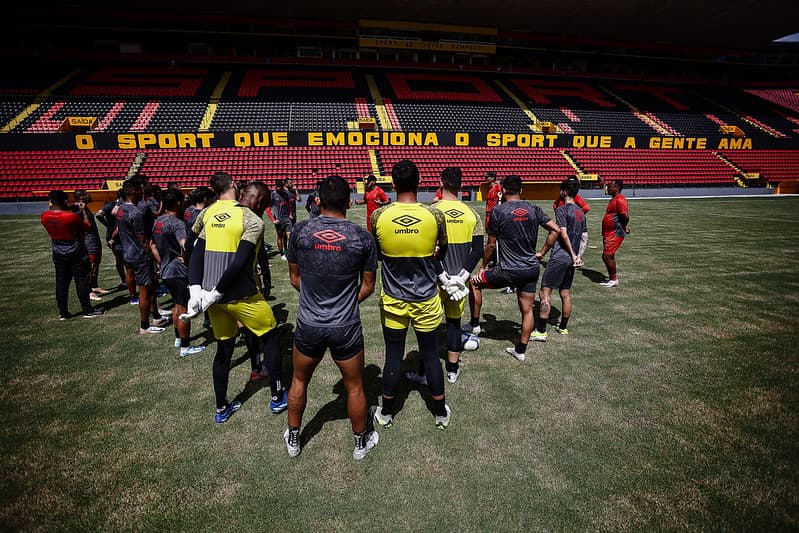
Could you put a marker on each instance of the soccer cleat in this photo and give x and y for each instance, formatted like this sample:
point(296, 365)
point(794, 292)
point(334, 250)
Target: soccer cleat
point(161, 291)
point(476, 330)
point(257, 375)
point(158, 322)
point(177, 342)
point(384, 421)
point(442, 422)
point(152, 330)
point(283, 258)
point(508, 290)
point(165, 313)
point(279, 404)
point(610, 283)
point(227, 412)
point(518, 356)
point(191, 350)
point(562, 331)
point(93, 313)
point(419, 379)
point(61, 318)
point(363, 444)
point(292, 439)
point(538, 336)
point(134, 301)
point(452, 377)
point(99, 291)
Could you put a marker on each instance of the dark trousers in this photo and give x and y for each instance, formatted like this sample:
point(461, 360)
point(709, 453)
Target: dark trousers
point(65, 272)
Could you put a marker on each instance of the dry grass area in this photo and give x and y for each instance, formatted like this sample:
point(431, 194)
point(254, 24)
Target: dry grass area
point(672, 404)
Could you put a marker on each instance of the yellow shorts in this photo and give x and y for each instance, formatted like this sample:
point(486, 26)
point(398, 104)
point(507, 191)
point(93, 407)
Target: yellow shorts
point(423, 316)
point(253, 312)
point(451, 309)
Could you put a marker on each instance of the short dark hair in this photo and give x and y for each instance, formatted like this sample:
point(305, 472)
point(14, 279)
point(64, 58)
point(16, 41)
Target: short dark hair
point(405, 175)
point(334, 193)
point(575, 179)
point(58, 197)
point(452, 178)
point(619, 184)
point(172, 198)
point(129, 186)
point(200, 194)
point(572, 187)
point(220, 182)
point(512, 184)
point(256, 185)
point(279, 183)
point(371, 177)
point(318, 183)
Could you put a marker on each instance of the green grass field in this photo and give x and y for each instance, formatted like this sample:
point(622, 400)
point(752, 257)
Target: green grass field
point(672, 404)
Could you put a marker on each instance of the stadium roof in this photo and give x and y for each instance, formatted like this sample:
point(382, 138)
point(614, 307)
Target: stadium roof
point(739, 24)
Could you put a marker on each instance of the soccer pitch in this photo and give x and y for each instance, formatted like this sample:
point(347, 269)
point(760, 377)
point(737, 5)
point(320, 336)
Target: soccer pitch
point(671, 405)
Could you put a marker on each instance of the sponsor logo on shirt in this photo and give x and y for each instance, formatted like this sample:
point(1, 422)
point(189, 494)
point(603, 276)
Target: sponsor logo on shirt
point(221, 218)
point(519, 214)
point(329, 237)
point(406, 221)
point(454, 215)
point(159, 226)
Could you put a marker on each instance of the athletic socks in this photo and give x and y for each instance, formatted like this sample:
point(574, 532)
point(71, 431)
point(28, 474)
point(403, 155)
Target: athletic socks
point(144, 324)
point(521, 347)
point(452, 367)
point(156, 315)
point(474, 322)
point(388, 406)
point(277, 389)
point(542, 327)
point(563, 321)
point(438, 407)
point(185, 343)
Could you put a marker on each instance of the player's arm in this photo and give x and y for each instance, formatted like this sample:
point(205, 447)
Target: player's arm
point(154, 253)
point(294, 267)
point(442, 241)
point(549, 242)
point(488, 251)
point(383, 199)
point(367, 286)
point(582, 204)
point(294, 275)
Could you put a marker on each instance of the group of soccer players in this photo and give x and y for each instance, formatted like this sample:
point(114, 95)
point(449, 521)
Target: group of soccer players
point(209, 254)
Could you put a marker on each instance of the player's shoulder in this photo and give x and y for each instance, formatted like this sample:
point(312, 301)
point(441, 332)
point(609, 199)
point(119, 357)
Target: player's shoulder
point(377, 213)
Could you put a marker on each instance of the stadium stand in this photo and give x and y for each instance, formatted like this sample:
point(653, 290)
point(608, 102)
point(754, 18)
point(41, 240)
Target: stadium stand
point(772, 165)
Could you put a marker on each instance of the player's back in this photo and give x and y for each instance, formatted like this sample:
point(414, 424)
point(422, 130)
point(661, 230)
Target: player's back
point(331, 254)
point(571, 217)
point(463, 224)
point(515, 224)
point(406, 235)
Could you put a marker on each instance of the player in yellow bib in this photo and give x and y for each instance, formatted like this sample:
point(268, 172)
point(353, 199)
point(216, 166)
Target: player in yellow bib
point(411, 239)
point(464, 251)
point(222, 279)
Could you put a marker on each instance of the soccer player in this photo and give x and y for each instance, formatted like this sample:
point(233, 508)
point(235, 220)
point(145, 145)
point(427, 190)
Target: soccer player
point(169, 250)
point(615, 226)
point(222, 280)
point(293, 198)
point(464, 249)
point(332, 263)
point(493, 194)
point(582, 204)
point(559, 273)
point(514, 226)
point(199, 199)
point(411, 239)
point(311, 204)
point(373, 197)
point(137, 254)
point(281, 216)
point(92, 241)
point(255, 195)
point(66, 229)
point(111, 238)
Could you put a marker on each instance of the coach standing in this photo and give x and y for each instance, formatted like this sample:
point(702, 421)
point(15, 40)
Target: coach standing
point(70, 258)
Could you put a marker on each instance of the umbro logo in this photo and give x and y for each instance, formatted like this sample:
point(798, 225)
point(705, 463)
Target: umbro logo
point(519, 212)
point(406, 221)
point(329, 236)
point(454, 213)
point(221, 217)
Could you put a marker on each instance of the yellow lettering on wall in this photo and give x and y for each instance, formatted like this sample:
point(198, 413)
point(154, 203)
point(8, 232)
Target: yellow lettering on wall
point(461, 139)
point(630, 142)
point(280, 138)
point(167, 140)
point(492, 139)
point(241, 140)
point(431, 139)
point(335, 139)
point(414, 139)
point(84, 142)
point(396, 138)
point(654, 142)
point(187, 140)
point(315, 138)
point(147, 139)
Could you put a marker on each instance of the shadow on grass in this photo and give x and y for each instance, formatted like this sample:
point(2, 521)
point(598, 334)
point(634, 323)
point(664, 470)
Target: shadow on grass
point(336, 409)
point(500, 330)
point(593, 275)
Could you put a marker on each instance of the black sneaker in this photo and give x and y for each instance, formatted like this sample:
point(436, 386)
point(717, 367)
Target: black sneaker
point(93, 313)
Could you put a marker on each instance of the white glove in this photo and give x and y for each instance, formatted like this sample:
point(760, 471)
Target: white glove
point(207, 298)
point(194, 307)
point(444, 279)
point(464, 275)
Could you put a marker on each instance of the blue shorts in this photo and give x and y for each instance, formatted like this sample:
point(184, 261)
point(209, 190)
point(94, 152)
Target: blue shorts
point(345, 342)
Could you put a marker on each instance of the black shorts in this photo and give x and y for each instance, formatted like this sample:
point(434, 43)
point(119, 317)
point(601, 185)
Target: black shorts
point(179, 289)
point(523, 280)
point(559, 274)
point(284, 226)
point(344, 341)
point(143, 271)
